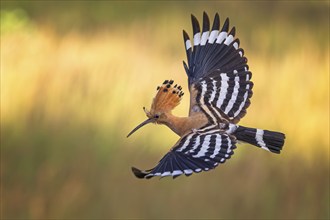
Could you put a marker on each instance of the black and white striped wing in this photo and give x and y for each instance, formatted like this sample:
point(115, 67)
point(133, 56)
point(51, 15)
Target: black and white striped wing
point(218, 69)
point(200, 150)
point(224, 95)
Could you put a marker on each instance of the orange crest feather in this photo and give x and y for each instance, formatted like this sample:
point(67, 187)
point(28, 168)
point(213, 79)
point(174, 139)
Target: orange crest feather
point(167, 97)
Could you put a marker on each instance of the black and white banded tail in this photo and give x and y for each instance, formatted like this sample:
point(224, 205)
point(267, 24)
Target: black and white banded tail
point(269, 140)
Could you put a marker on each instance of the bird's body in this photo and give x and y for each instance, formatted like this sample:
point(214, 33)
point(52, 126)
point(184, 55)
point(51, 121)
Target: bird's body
point(183, 125)
point(220, 89)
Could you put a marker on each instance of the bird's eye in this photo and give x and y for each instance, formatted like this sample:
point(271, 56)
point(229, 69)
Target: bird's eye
point(156, 116)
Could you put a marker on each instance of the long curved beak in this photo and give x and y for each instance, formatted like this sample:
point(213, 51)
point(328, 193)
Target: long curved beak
point(149, 120)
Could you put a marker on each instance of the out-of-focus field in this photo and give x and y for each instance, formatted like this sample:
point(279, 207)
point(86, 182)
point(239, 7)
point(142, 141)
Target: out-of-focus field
point(75, 76)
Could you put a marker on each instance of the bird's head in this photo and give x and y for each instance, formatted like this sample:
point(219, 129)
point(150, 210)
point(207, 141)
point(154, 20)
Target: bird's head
point(167, 98)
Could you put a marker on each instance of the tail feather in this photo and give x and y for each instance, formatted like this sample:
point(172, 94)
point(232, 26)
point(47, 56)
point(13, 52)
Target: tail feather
point(269, 140)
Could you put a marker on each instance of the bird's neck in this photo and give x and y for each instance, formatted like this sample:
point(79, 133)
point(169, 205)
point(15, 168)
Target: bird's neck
point(183, 125)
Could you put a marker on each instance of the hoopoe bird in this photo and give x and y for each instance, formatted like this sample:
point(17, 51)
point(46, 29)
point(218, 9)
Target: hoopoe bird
point(220, 89)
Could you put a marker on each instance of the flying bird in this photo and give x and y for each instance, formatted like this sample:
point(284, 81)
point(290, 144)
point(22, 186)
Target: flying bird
point(220, 89)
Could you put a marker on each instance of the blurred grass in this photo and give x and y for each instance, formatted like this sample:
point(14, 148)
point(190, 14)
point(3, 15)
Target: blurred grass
point(74, 79)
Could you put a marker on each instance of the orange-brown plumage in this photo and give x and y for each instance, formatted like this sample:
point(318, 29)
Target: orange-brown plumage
point(183, 125)
point(166, 99)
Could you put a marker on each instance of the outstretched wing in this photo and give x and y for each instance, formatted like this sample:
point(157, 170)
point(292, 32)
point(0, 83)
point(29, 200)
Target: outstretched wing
point(217, 71)
point(200, 150)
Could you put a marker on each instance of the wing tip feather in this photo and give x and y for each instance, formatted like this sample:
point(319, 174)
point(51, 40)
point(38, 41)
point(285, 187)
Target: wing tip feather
point(225, 26)
point(216, 22)
point(139, 173)
point(195, 24)
point(185, 35)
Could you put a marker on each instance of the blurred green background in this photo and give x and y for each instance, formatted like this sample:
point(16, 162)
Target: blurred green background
point(76, 74)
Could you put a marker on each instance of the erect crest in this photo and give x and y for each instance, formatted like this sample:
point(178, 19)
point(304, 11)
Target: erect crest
point(167, 97)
